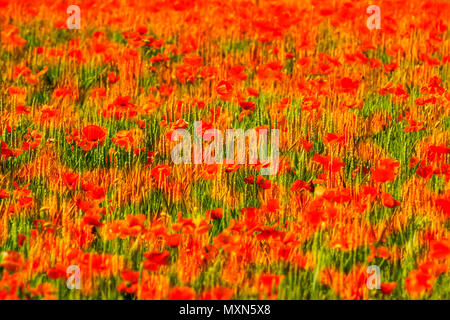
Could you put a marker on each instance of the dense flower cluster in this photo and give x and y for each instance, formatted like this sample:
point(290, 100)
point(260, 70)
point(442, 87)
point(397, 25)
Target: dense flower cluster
point(86, 177)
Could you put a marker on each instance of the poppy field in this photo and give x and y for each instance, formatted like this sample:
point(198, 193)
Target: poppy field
point(92, 205)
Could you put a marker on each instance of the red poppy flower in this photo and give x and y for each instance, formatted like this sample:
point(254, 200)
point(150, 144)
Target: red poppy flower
point(272, 205)
point(425, 172)
point(224, 89)
point(181, 293)
point(156, 259)
point(418, 282)
point(444, 205)
point(440, 249)
point(331, 138)
point(93, 219)
point(334, 165)
point(300, 184)
point(247, 105)
point(113, 78)
point(218, 293)
point(307, 145)
point(70, 179)
point(159, 173)
point(94, 133)
point(388, 287)
point(173, 240)
point(348, 85)
point(253, 92)
point(4, 193)
point(385, 171)
point(215, 213)
point(389, 201)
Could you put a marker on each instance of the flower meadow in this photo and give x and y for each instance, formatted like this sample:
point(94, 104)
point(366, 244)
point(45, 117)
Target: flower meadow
point(87, 182)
